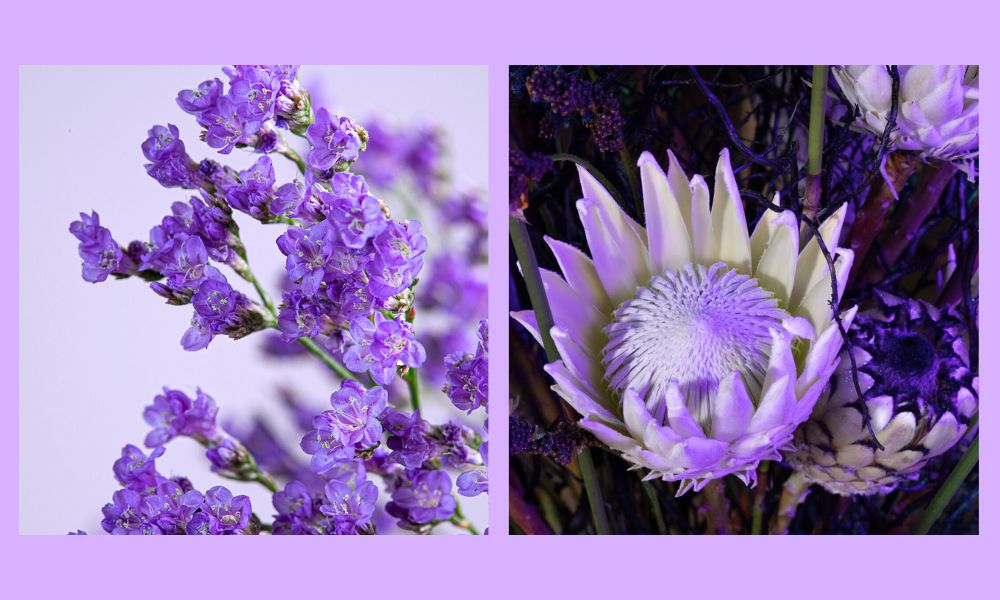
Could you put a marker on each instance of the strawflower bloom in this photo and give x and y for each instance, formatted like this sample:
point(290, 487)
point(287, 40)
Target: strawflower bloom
point(679, 340)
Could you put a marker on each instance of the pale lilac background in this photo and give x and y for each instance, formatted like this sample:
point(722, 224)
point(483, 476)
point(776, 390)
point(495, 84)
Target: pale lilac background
point(92, 356)
point(512, 32)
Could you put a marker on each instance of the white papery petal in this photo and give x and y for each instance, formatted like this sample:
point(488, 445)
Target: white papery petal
point(678, 416)
point(669, 244)
point(637, 416)
point(580, 273)
point(584, 367)
point(574, 392)
point(528, 320)
point(609, 435)
point(762, 232)
point(617, 274)
point(703, 452)
point(776, 407)
point(897, 434)
point(824, 350)
point(942, 436)
point(680, 186)
point(702, 241)
point(731, 410)
point(776, 268)
point(729, 223)
point(571, 312)
point(619, 223)
point(812, 265)
point(816, 304)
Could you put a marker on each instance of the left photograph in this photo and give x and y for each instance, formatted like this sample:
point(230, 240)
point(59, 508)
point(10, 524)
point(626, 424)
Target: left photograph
point(253, 300)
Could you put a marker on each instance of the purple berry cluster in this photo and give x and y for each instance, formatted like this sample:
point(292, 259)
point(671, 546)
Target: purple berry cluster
point(526, 170)
point(349, 299)
point(565, 93)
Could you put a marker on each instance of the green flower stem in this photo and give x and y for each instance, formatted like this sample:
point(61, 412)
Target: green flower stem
point(458, 520)
point(414, 385)
point(757, 522)
point(543, 314)
point(794, 491)
point(944, 495)
point(817, 125)
point(328, 360)
point(290, 153)
point(654, 501)
point(564, 157)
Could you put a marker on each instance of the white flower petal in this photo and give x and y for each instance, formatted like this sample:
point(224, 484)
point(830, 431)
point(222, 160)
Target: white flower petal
point(729, 223)
point(762, 232)
point(703, 452)
point(776, 268)
point(942, 436)
point(897, 434)
point(669, 244)
point(619, 268)
point(584, 367)
point(637, 416)
point(619, 223)
point(701, 223)
point(678, 416)
point(776, 407)
point(580, 273)
point(816, 304)
point(527, 319)
point(609, 435)
point(571, 312)
point(812, 265)
point(574, 393)
point(731, 410)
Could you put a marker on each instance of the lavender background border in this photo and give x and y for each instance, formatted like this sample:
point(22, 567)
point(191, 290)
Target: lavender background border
point(514, 32)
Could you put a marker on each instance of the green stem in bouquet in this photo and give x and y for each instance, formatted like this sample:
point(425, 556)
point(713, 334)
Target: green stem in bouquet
point(543, 314)
point(817, 126)
point(944, 495)
point(414, 386)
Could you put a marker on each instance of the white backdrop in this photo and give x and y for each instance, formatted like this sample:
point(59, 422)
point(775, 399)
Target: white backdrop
point(93, 355)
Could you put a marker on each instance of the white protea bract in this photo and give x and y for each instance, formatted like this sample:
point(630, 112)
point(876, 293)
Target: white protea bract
point(690, 346)
point(938, 111)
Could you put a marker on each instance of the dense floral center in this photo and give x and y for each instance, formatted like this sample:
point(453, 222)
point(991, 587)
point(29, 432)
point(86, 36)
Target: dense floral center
point(694, 326)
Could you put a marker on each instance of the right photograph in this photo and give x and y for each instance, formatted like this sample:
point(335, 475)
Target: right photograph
point(744, 299)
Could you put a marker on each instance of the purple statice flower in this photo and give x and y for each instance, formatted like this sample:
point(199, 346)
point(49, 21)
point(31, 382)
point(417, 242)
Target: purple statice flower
point(302, 315)
point(288, 199)
point(409, 438)
point(454, 445)
point(324, 446)
point(467, 378)
point(423, 498)
point(198, 102)
point(183, 260)
point(228, 514)
point(169, 163)
point(173, 413)
point(136, 471)
point(226, 127)
point(350, 508)
point(473, 483)
point(227, 455)
point(101, 254)
point(308, 251)
point(172, 507)
point(297, 511)
point(359, 215)
point(400, 244)
point(126, 514)
point(254, 193)
point(379, 346)
point(393, 152)
point(219, 309)
point(526, 170)
point(354, 419)
point(336, 141)
point(465, 207)
point(212, 224)
point(355, 299)
point(254, 91)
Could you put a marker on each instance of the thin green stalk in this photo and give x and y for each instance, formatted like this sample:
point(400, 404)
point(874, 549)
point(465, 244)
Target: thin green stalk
point(290, 153)
point(817, 125)
point(944, 495)
point(533, 281)
point(593, 487)
point(543, 314)
point(817, 118)
point(328, 360)
point(458, 519)
point(414, 385)
point(661, 524)
point(757, 523)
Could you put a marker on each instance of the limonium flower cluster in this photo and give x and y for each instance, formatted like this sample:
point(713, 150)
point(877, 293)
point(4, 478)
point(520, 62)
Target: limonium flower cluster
point(351, 271)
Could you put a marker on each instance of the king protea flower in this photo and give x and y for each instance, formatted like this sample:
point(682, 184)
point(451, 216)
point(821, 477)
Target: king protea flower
point(690, 346)
point(920, 393)
point(938, 113)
